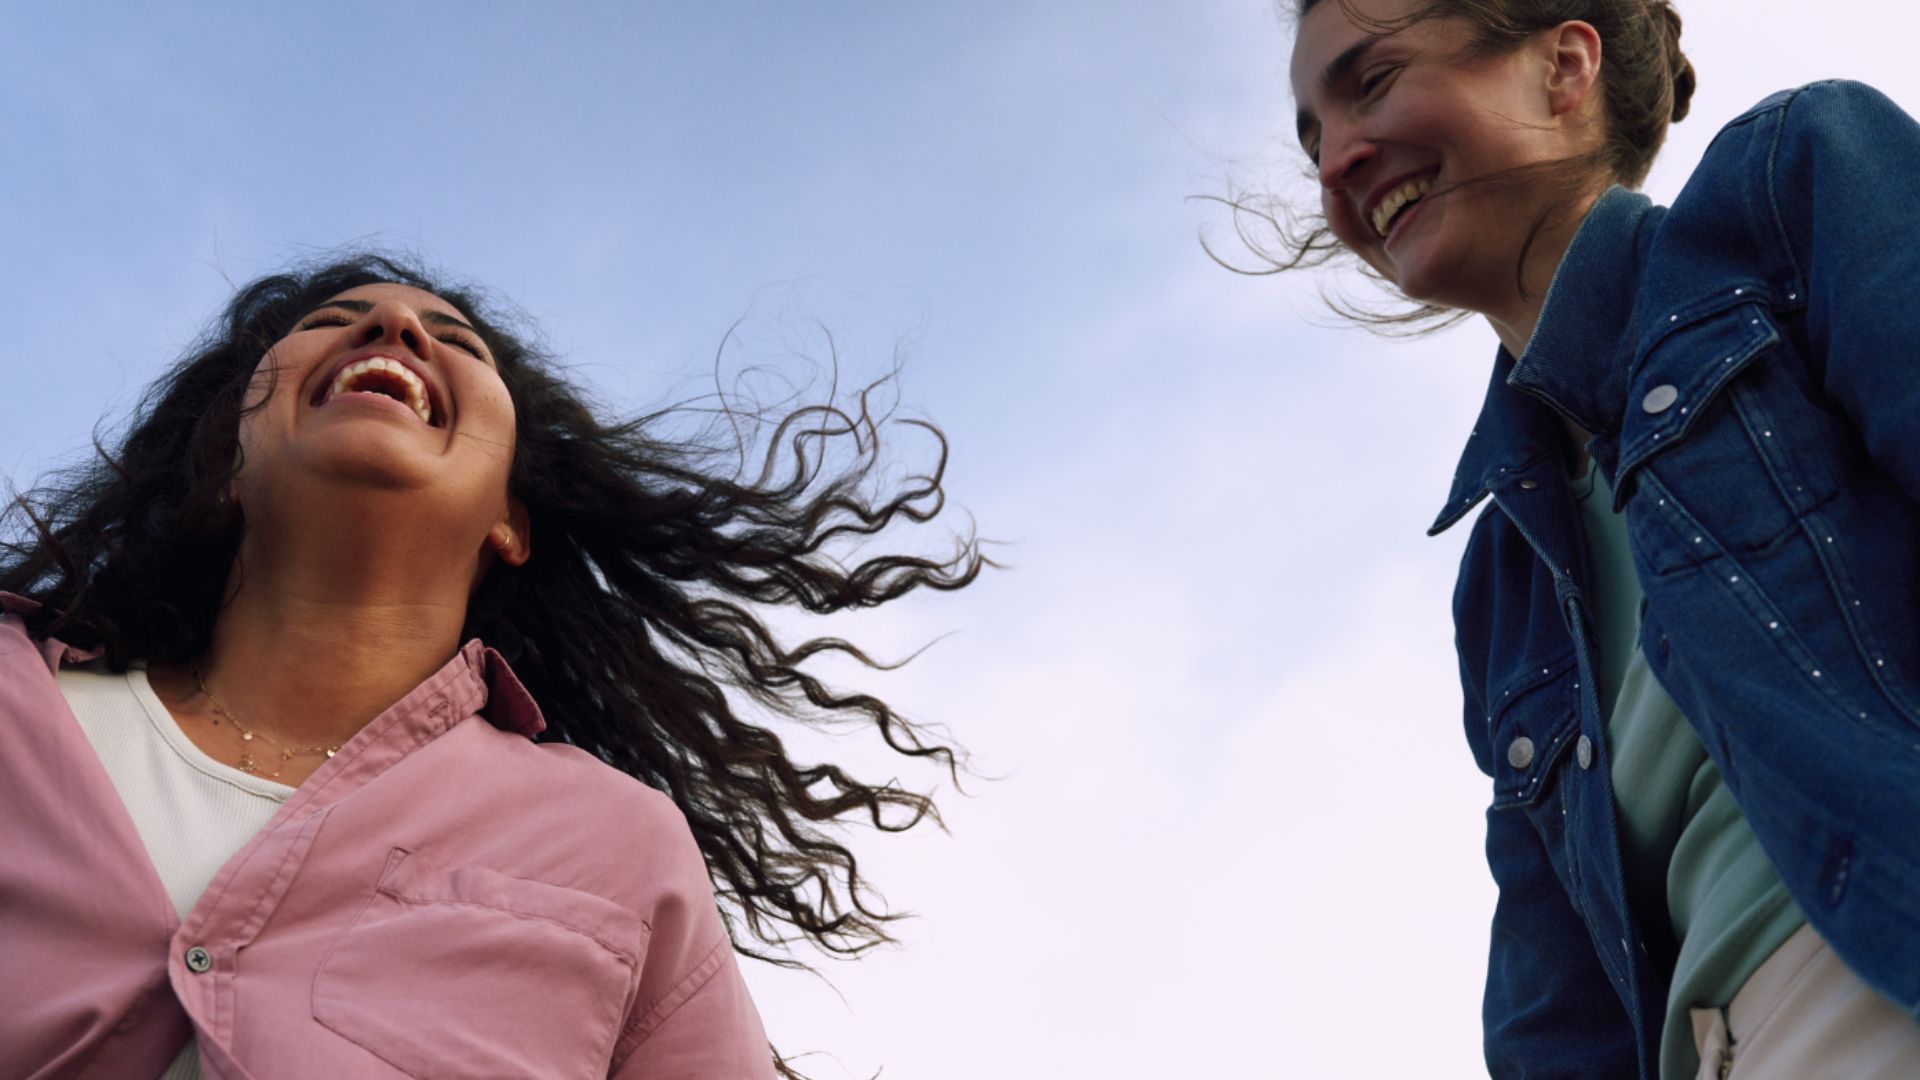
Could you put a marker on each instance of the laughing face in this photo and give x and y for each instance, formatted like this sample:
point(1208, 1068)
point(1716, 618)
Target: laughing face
point(1392, 119)
point(380, 389)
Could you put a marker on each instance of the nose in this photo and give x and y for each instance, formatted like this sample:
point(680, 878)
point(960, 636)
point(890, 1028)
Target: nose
point(1344, 153)
point(393, 321)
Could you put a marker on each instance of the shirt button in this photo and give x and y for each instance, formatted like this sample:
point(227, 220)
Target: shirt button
point(1529, 485)
point(198, 960)
point(1520, 752)
point(1583, 752)
point(1660, 398)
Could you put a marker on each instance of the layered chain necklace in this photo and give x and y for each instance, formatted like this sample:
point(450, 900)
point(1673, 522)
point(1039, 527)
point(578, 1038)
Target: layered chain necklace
point(248, 737)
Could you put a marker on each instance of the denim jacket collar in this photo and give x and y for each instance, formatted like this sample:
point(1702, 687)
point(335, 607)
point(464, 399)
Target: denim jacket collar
point(1576, 362)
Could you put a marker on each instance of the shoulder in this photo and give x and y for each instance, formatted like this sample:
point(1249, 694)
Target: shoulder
point(587, 781)
point(1828, 98)
point(23, 666)
point(576, 793)
point(585, 784)
point(21, 652)
point(13, 620)
point(1824, 159)
point(1831, 109)
point(13, 635)
point(1743, 217)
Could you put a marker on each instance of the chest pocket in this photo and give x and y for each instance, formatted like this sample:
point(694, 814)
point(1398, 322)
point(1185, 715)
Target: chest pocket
point(1531, 730)
point(466, 972)
point(1691, 443)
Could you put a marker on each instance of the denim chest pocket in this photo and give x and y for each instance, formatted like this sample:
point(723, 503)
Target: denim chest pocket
point(465, 972)
point(1706, 446)
point(1530, 730)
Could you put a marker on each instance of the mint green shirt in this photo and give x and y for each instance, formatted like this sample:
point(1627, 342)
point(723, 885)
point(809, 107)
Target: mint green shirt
point(1691, 860)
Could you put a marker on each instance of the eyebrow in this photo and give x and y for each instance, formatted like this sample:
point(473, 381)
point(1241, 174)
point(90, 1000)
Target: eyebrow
point(1348, 59)
point(361, 307)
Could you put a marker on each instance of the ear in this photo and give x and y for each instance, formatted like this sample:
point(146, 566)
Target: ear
point(511, 536)
point(1573, 53)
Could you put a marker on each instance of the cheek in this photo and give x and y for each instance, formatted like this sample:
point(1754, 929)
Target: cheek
point(257, 406)
point(1353, 234)
point(1345, 223)
point(266, 381)
point(272, 397)
point(487, 412)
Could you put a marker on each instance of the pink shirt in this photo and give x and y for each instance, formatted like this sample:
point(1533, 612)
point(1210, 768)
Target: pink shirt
point(443, 898)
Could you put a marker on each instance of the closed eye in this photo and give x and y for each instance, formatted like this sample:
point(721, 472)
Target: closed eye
point(324, 318)
point(464, 342)
point(1375, 80)
point(1369, 87)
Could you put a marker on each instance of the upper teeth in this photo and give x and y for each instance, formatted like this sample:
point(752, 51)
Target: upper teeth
point(416, 390)
point(1397, 198)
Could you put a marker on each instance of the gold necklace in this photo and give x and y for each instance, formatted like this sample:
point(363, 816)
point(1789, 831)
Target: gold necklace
point(248, 736)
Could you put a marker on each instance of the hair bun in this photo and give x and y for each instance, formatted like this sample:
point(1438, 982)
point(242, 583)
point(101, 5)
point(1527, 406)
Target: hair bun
point(1678, 66)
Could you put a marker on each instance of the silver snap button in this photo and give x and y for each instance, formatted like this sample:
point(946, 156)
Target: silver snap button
point(1583, 752)
point(1520, 752)
point(1660, 398)
point(198, 960)
point(1529, 485)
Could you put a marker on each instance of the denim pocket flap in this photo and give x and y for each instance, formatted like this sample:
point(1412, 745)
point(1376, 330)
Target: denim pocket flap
point(1531, 730)
point(1679, 375)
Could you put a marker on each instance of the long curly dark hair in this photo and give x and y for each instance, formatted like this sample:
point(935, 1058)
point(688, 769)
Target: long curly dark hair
point(656, 549)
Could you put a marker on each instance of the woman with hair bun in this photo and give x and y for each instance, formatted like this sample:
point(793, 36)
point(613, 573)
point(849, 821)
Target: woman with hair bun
point(1688, 617)
point(375, 709)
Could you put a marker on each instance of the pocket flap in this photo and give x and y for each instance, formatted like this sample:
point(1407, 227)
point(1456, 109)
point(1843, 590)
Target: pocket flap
point(410, 878)
point(1682, 371)
point(1535, 723)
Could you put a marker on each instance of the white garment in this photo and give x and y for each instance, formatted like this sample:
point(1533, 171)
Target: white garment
point(1803, 1015)
point(191, 811)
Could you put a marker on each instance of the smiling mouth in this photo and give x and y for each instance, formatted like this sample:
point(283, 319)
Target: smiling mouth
point(385, 378)
point(1397, 202)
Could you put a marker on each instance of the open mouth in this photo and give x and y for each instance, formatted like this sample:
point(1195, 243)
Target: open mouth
point(1398, 200)
point(385, 378)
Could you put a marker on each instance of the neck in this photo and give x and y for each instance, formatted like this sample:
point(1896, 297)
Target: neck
point(1514, 320)
point(325, 628)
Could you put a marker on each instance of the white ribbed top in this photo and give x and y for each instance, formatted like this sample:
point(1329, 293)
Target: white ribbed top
point(191, 811)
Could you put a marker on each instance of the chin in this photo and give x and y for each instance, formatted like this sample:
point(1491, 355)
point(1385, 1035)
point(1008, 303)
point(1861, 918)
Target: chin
point(1421, 291)
point(368, 467)
point(1427, 277)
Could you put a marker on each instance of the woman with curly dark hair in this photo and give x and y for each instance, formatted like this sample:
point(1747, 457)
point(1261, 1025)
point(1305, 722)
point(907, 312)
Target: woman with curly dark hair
point(375, 708)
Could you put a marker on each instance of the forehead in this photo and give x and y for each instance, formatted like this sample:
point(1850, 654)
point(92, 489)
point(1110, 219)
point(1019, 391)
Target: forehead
point(420, 300)
point(1330, 28)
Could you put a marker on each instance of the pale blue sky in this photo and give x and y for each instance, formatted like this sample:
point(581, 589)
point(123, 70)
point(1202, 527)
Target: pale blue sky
point(1239, 831)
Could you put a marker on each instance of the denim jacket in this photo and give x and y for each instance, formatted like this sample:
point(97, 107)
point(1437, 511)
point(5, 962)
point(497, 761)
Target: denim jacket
point(1749, 366)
